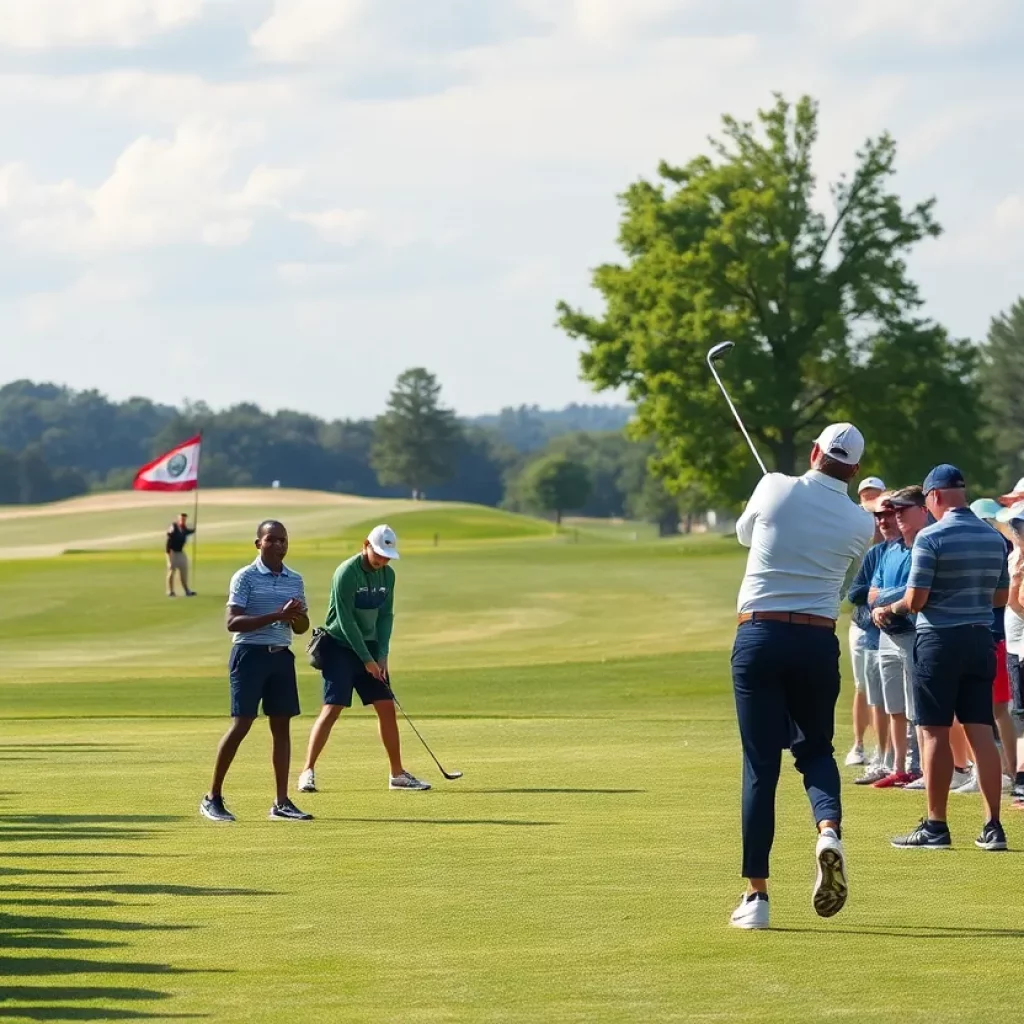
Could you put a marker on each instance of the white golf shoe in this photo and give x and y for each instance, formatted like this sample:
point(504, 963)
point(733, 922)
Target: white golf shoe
point(307, 781)
point(752, 913)
point(407, 781)
point(830, 887)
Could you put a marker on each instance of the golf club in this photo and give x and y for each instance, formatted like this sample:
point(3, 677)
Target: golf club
point(715, 352)
point(447, 775)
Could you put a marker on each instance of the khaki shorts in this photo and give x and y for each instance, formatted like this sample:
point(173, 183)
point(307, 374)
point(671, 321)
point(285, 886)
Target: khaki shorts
point(177, 560)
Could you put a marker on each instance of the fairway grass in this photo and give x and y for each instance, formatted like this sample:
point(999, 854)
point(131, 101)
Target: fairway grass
point(582, 871)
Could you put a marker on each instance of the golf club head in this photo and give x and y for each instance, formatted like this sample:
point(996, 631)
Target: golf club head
point(719, 350)
point(452, 775)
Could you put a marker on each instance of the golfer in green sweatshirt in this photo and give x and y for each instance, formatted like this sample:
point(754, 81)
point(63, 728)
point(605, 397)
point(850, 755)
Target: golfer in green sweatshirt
point(354, 652)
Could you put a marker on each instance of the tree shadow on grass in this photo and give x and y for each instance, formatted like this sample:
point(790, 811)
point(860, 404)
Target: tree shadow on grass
point(141, 889)
point(72, 1013)
point(542, 790)
point(914, 932)
point(453, 821)
point(92, 819)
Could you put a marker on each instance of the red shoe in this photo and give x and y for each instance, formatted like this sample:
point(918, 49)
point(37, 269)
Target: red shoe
point(909, 777)
point(893, 780)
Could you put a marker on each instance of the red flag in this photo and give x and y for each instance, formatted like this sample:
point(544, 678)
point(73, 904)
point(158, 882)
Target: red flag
point(176, 470)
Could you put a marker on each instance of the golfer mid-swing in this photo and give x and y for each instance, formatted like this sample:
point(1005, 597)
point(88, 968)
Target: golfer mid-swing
point(804, 534)
point(354, 652)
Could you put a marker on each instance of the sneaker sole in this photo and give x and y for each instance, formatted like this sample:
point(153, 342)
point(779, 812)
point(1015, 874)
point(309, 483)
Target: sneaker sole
point(831, 889)
point(993, 847)
point(900, 846)
point(745, 927)
point(308, 789)
point(281, 817)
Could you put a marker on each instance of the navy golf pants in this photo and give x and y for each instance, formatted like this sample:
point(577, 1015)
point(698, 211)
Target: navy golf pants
point(786, 682)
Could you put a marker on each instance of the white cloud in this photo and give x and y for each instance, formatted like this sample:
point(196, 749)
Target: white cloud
point(161, 191)
point(932, 23)
point(95, 289)
point(1009, 215)
point(343, 227)
point(298, 29)
point(611, 20)
point(40, 24)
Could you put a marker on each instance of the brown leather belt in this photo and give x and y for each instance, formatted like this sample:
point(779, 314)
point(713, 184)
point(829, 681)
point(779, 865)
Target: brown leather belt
point(794, 618)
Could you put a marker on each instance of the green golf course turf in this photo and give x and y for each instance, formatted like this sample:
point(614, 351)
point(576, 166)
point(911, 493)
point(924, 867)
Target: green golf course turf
point(583, 870)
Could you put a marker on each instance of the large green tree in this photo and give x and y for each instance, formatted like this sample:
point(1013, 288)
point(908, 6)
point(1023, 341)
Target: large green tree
point(556, 483)
point(415, 442)
point(1002, 376)
point(734, 246)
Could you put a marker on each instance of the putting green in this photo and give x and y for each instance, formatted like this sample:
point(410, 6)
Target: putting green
point(582, 871)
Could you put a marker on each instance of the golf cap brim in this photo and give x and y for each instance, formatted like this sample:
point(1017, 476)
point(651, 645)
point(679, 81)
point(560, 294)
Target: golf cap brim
point(871, 483)
point(900, 503)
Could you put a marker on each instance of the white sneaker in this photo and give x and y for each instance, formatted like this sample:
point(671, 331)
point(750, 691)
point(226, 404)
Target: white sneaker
point(970, 786)
point(307, 781)
point(830, 887)
point(959, 779)
point(917, 784)
point(751, 914)
point(407, 781)
point(855, 756)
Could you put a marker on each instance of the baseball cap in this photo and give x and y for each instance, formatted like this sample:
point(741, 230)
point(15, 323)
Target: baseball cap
point(871, 482)
point(842, 442)
point(1011, 514)
point(906, 497)
point(986, 508)
point(383, 540)
point(944, 478)
point(1017, 494)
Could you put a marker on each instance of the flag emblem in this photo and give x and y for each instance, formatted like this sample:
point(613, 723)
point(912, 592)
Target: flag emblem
point(175, 470)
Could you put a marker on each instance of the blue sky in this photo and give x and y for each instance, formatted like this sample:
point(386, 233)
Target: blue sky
point(290, 201)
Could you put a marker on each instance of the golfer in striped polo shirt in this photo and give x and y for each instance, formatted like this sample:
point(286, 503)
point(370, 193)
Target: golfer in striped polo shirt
point(266, 604)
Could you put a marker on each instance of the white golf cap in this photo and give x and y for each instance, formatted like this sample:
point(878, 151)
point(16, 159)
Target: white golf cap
point(383, 540)
point(871, 482)
point(842, 442)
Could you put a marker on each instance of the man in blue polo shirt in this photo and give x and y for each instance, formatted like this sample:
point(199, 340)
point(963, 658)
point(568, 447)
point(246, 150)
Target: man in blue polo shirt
point(266, 604)
point(958, 574)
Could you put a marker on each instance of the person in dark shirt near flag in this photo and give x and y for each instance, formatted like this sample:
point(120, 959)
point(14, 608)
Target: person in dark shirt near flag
point(353, 653)
point(178, 534)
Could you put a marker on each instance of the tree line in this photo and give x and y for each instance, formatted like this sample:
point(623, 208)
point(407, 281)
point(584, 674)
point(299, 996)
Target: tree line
point(56, 443)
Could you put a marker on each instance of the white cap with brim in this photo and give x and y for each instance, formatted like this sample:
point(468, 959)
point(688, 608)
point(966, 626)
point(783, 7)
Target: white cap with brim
point(1009, 515)
point(842, 442)
point(986, 508)
point(383, 540)
point(871, 483)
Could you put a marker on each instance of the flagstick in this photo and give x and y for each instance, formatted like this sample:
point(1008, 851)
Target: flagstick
point(195, 517)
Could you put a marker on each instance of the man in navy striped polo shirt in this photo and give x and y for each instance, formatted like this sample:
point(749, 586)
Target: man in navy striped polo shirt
point(957, 576)
point(266, 604)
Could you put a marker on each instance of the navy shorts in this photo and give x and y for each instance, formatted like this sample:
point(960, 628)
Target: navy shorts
point(260, 674)
point(953, 673)
point(343, 672)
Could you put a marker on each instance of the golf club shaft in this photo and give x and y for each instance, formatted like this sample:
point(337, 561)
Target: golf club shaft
point(398, 704)
point(725, 394)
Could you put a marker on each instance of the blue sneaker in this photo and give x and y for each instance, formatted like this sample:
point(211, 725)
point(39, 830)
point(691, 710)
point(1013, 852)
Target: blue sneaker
point(214, 809)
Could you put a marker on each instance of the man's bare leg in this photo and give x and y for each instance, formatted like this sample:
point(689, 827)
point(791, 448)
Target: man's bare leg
point(988, 768)
point(937, 760)
point(1007, 737)
point(898, 738)
point(280, 732)
point(226, 750)
point(320, 733)
point(861, 717)
point(388, 724)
